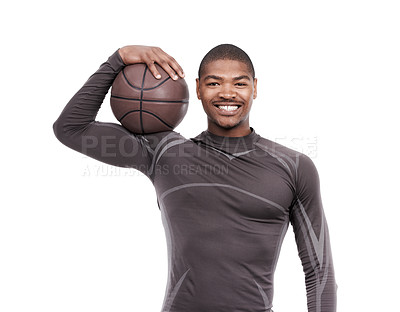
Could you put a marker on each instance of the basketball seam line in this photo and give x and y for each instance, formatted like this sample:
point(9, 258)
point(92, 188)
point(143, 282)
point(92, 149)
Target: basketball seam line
point(144, 89)
point(145, 100)
point(141, 98)
point(147, 112)
point(123, 72)
point(147, 89)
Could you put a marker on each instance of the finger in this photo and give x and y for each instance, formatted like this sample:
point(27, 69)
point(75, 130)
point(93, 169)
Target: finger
point(176, 67)
point(168, 69)
point(158, 56)
point(153, 69)
point(167, 61)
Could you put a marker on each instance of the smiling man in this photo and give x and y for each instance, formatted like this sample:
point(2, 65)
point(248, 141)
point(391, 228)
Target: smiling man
point(226, 88)
point(226, 196)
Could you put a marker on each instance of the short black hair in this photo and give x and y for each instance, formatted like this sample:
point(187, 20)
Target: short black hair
point(226, 52)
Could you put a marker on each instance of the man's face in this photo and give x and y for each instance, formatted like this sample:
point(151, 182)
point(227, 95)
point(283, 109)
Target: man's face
point(226, 90)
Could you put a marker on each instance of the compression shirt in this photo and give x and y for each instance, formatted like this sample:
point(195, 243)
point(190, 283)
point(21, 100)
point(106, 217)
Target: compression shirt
point(225, 203)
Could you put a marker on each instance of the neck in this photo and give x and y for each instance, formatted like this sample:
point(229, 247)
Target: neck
point(239, 131)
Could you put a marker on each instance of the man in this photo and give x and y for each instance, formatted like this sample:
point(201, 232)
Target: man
point(226, 196)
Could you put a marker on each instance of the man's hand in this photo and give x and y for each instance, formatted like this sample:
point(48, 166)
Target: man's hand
point(134, 54)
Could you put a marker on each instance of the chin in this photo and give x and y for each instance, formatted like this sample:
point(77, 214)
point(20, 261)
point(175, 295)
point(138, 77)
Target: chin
point(228, 126)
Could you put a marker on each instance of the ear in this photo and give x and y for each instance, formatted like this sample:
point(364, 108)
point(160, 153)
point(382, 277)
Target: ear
point(255, 88)
point(198, 88)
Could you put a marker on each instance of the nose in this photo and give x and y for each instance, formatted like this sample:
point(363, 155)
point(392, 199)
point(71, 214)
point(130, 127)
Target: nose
point(227, 91)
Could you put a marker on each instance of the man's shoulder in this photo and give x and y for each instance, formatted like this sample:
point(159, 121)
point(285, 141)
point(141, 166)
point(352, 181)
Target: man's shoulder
point(297, 162)
point(276, 148)
point(159, 140)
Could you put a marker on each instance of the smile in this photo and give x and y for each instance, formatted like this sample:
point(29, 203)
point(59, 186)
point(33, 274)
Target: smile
point(228, 108)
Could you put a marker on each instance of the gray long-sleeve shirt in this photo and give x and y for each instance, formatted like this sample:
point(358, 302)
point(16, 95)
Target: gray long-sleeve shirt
point(225, 203)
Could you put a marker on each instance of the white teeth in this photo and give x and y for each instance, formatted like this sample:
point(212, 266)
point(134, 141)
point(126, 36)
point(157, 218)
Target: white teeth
point(228, 108)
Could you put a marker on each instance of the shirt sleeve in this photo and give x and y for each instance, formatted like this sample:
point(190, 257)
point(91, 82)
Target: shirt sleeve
point(312, 239)
point(107, 142)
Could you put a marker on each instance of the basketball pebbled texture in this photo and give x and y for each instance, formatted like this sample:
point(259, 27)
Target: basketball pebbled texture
point(144, 104)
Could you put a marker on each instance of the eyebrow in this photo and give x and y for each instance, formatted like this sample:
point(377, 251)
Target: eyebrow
point(242, 77)
point(220, 78)
point(212, 77)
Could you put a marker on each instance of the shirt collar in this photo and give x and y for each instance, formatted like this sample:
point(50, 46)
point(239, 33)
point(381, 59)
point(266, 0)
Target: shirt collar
point(228, 144)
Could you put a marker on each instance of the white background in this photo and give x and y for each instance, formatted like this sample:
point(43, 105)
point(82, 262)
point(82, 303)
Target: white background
point(77, 235)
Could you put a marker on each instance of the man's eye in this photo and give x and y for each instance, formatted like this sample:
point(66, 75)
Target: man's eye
point(241, 84)
point(212, 84)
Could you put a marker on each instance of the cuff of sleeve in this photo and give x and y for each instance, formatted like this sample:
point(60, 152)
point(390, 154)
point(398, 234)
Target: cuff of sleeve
point(116, 62)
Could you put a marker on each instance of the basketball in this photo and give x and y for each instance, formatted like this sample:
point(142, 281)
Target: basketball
point(144, 104)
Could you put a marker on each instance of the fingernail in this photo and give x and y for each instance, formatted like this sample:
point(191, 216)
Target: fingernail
point(175, 77)
point(158, 76)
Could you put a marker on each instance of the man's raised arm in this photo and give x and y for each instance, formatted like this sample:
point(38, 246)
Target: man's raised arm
point(108, 142)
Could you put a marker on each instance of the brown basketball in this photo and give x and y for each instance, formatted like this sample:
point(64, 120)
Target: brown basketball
point(144, 104)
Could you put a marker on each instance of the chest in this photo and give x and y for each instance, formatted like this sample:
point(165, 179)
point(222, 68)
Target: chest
point(250, 185)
